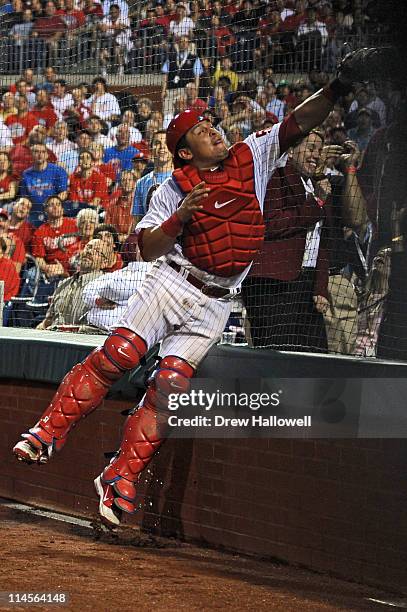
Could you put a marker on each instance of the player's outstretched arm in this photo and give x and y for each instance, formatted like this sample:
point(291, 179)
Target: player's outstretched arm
point(157, 241)
point(357, 66)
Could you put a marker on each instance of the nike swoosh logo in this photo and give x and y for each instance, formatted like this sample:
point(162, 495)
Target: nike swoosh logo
point(121, 351)
point(222, 204)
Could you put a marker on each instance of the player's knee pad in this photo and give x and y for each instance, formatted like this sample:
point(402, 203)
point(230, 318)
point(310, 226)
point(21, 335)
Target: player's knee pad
point(121, 351)
point(172, 376)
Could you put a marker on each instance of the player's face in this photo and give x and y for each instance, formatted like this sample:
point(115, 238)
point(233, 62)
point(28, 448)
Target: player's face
point(160, 151)
point(206, 146)
point(305, 156)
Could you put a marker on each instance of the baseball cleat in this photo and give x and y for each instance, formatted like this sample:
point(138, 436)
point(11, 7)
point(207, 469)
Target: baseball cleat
point(108, 510)
point(31, 452)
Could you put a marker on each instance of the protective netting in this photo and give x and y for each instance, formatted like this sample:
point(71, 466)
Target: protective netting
point(88, 90)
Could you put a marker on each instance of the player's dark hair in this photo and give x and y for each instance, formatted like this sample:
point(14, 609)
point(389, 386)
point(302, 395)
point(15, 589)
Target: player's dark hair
point(3, 245)
point(181, 144)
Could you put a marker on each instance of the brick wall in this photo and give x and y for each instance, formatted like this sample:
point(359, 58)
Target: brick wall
point(332, 505)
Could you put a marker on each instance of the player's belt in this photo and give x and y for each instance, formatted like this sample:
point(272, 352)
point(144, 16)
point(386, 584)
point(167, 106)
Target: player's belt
point(209, 290)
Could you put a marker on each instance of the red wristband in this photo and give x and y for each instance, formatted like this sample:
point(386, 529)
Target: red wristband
point(351, 170)
point(172, 226)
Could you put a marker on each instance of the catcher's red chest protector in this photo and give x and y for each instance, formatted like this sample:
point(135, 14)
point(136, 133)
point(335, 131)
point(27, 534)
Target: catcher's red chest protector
point(224, 237)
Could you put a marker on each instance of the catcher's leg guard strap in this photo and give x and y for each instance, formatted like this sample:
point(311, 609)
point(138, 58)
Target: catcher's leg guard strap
point(85, 386)
point(144, 431)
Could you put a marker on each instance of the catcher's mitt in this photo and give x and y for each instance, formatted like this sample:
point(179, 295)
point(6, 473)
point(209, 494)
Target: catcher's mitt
point(367, 64)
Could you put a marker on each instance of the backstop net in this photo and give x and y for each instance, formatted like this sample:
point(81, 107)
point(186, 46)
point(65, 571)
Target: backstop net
point(88, 90)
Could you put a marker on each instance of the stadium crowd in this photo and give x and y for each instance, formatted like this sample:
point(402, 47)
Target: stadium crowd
point(79, 163)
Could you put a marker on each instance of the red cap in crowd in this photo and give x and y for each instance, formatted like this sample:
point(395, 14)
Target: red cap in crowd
point(180, 125)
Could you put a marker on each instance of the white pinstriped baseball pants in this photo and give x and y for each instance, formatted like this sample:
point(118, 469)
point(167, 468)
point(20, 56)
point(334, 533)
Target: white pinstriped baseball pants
point(169, 309)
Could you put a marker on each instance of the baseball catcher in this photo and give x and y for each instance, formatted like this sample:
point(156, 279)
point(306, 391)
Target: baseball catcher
point(204, 226)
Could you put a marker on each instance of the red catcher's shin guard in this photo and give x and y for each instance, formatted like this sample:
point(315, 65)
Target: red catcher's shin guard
point(145, 430)
point(85, 386)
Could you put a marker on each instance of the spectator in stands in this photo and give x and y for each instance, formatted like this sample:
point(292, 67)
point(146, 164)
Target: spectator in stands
point(19, 223)
point(181, 25)
point(102, 103)
point(95, 127)
point(67, 306)
point(60, 143)
point(162, 160)
point(180, 104)
point(116, 40)
point(43, 110)
point(292, 22)
point(122, 4)
point(87, 221)
point(140, 162)
point(376, 104)
point(20, 33)
point(93, 11)
point(348, 244)
point(77, 115)
point(15, 248)
point(53, 260)
point(50, 78)
point(244, 24)
point(74, 20)
point(20, 155)
point(151, 44)
point(42, 181)
point(361, 101)
point(224, 69)
point(24, 90)
point(108, 295)
point(61, 99)
point(364, 129)
point(22, 123)
point(144, 111)
point(11, 279)
point(108, 233)
point(312, 37)
point(239, 117)
point(181, 67)
point(6, 8)
point(222, 35)
point(286, 293)
point(118, 206)
point(107, 170)
point(274, 104)
point(129, 118)
point(121, 155)
point(8, 184)
point(8, 106)
point(49, 29)
point(192, 100)
point(87, 186)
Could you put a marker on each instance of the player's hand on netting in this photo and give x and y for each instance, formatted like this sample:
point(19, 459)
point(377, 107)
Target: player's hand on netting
point(321, 304)
point(193, 202)
point(365, 64)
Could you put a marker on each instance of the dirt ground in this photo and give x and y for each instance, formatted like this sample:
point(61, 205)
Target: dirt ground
point(129, 571)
